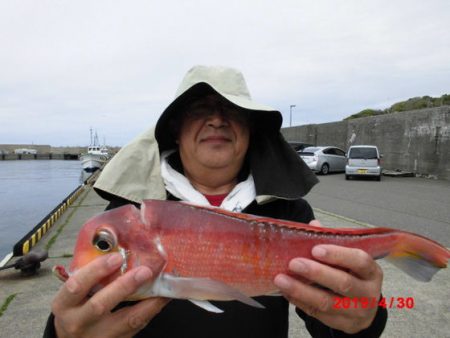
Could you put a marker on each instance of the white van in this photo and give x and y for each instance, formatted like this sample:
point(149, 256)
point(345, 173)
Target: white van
point(363, 160)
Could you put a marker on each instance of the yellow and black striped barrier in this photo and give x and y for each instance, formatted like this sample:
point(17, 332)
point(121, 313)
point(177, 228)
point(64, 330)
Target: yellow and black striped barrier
point(23, 246)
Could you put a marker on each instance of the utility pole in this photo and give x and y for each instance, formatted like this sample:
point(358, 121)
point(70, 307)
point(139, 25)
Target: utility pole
point(290, 114)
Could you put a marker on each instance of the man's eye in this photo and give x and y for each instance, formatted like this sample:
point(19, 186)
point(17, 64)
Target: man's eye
point(200, 111)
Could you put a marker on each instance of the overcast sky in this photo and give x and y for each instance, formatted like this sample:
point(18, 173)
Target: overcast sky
point(66, 66)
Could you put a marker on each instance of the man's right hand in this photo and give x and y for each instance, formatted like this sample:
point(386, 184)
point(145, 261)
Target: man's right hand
point(77, 315)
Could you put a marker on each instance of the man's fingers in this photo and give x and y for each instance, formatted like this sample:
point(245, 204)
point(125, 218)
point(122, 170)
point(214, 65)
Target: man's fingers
point(315, 223)
point(136, 317)
point(339, 281)
point(76, 288)
point(358, 261)
point(298, 292)
point(320, 303)
point(117, 291)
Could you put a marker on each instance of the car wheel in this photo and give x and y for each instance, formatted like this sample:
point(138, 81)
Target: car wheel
point(347, 177)
point(378, 178)
point(325, 169)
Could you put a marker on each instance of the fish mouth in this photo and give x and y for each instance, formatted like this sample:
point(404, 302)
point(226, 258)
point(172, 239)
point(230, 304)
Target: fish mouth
point(61, 273)
point(124, 253)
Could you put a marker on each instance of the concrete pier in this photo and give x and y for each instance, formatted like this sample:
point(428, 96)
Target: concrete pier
point(26, 313)
point(25, 301)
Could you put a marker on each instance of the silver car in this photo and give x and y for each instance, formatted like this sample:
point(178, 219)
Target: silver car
point(324, 159)
point(364, 160)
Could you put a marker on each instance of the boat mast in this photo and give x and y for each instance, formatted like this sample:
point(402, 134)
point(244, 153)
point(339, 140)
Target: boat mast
point(90, 130)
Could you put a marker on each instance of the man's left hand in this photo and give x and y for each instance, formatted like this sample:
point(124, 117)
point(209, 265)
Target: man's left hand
point(361, 280)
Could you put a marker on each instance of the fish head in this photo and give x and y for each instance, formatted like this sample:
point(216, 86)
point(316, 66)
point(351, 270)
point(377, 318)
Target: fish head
point(119, 230)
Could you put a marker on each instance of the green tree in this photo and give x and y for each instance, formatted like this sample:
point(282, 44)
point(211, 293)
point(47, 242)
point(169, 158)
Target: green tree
point(410, 104)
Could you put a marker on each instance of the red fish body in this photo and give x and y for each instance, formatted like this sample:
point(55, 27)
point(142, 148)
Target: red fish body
point(210, 254)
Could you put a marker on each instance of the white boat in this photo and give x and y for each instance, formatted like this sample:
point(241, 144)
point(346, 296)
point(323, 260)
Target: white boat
point(96, 155)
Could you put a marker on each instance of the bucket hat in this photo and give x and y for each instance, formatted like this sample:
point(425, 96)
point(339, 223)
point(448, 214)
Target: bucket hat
point(268, 152)
point(228, 83)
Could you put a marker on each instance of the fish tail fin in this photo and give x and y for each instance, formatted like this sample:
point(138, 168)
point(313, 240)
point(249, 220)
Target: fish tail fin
point(418, 256)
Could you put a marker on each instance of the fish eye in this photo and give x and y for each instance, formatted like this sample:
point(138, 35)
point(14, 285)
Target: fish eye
point(104, 241)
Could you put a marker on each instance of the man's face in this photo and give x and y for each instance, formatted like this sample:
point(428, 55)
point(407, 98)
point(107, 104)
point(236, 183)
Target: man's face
point(214, 134)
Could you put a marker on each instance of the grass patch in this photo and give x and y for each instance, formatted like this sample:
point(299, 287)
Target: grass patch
point(64, 255)
point(6, 303)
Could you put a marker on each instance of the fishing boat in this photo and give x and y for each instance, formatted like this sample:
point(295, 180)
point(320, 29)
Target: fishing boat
point(96, 155)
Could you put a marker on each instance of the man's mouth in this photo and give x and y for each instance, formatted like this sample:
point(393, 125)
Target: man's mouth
point(215, 139)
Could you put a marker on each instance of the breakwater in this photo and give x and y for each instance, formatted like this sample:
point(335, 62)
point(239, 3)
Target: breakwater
point(50, 156)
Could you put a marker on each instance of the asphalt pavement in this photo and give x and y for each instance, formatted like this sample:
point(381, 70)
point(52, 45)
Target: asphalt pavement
point(418, 205)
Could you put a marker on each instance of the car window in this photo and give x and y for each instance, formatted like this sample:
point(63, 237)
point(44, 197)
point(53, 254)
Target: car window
point(334, 151)
point(363, 153)
point(310, 150)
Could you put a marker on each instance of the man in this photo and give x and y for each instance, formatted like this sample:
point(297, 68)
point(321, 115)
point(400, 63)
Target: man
point(214, 146)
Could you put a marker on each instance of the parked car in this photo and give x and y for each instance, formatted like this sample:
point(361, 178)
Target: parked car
point(363, 160)
point(324, 159)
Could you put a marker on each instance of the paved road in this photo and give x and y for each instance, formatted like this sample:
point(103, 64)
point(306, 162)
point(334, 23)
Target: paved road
point(413, 204)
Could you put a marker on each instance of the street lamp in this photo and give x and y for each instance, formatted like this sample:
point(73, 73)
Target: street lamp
point(290, 114)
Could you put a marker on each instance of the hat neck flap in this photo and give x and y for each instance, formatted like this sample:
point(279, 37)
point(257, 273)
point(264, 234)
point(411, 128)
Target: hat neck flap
point(277, 170)
point(134, 173)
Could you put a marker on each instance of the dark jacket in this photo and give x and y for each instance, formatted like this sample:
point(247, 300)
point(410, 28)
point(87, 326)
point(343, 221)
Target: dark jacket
point(181, 318)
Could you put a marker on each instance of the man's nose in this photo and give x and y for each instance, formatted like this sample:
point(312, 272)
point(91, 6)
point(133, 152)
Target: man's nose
point(217, 119)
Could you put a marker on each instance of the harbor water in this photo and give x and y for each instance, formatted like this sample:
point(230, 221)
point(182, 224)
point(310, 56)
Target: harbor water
point(29, 190)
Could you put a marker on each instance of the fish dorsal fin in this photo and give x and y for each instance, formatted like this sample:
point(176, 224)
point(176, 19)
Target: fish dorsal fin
point(288, 224)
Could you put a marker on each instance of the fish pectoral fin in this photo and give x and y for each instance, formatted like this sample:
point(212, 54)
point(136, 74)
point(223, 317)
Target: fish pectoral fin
point(202, 289)
point(205, 305)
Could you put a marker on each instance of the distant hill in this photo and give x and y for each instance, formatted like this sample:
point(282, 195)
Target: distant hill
point(410, 104)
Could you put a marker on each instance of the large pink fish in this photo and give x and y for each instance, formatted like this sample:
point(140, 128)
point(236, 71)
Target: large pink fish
point(206, 253)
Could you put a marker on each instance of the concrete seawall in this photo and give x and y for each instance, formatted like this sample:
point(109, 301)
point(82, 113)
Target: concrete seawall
point(417, 141)
point(49, 156)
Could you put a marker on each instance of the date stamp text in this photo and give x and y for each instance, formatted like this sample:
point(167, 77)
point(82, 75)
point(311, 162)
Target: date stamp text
point(370, 303)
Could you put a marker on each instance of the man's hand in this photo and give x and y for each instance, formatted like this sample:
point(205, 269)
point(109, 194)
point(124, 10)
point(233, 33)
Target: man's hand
point(361, 279)
point(77, 315)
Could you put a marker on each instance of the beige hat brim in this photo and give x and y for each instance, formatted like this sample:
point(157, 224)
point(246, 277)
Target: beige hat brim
point(263, 118)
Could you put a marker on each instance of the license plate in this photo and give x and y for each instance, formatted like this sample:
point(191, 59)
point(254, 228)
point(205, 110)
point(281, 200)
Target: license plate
point(362, 171)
